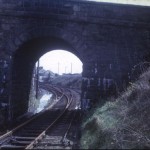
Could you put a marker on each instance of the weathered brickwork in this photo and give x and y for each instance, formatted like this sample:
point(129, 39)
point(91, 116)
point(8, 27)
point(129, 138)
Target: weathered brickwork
point(108, 38)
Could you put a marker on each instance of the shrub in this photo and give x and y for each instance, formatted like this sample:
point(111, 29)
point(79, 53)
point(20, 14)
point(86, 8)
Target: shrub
point(123, 123)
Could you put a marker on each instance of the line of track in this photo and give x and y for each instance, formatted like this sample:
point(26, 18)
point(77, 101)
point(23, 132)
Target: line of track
point(27, 133)
point(55, 137)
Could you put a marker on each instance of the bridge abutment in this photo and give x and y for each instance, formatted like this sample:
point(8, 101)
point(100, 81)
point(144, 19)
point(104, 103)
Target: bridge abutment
point(110, 39)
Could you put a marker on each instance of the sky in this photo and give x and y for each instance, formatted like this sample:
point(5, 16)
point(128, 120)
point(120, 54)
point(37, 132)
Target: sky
point(63, 59)
point(134, 2)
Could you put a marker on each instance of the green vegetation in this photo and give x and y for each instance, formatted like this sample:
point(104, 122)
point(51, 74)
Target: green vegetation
point(123, 123)
point(68, 80)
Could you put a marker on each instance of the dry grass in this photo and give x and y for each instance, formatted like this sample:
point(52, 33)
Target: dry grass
point(122, 124)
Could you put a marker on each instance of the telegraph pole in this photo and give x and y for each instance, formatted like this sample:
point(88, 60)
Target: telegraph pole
point(37, 78)
point(9, 109)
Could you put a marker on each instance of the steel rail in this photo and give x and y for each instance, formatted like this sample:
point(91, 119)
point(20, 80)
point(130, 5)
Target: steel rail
point(65, 135)
point(64, 142)
point(53, 88)
point(41, 136)
point(8, 134)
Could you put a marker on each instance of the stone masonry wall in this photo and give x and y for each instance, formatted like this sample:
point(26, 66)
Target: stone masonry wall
point(108, 38)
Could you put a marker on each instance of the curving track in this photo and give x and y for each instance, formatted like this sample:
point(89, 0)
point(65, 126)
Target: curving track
point(49, 129)
point(55, 137)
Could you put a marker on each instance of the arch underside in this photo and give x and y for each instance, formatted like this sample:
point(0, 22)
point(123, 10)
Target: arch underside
point(24, 60)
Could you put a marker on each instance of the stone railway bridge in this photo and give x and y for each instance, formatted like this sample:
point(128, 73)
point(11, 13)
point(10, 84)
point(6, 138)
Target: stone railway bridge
point(108, 38)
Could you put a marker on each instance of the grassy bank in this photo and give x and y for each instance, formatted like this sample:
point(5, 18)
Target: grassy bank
point(71, 81)
point(123, 123)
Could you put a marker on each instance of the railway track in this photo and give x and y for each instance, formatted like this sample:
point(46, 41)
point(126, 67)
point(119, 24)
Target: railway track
point(37, 130)
point(56, 136)
point(57, 92)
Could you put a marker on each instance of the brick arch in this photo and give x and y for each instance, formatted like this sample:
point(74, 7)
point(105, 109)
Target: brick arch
point(76, 42)
point(31, 46)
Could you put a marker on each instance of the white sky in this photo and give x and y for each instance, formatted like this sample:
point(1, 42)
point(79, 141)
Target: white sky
point(50, 61)
point(134, 2)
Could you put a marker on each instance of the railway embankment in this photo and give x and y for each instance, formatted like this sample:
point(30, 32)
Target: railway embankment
point(121, 123)
point(68, 80)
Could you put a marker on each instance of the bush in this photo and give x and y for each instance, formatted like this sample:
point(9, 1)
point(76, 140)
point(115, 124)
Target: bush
point(122, 124)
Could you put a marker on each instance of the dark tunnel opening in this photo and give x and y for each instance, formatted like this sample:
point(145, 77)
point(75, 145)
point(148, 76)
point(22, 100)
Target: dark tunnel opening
point(22, 68)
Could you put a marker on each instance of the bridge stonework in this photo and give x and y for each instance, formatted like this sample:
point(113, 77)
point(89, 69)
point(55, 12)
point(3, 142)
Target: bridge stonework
point(108, 38)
